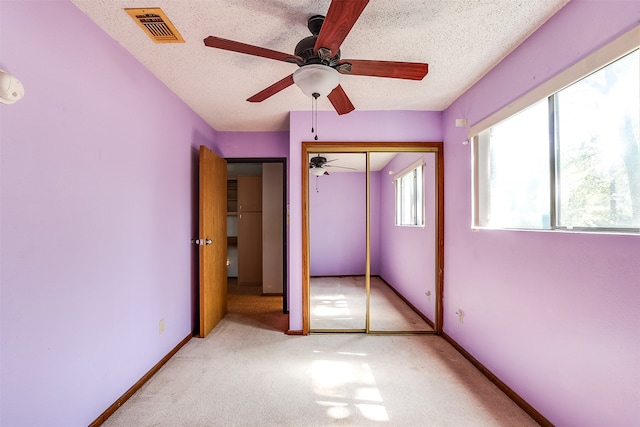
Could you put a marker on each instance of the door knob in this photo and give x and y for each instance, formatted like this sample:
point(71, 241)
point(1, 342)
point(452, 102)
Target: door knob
point(201, 242)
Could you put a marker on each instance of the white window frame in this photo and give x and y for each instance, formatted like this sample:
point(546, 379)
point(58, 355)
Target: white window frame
point(478, 133)
point(417, 195)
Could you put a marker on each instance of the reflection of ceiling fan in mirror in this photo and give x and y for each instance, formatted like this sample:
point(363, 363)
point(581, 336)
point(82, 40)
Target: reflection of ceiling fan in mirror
point(318, 165)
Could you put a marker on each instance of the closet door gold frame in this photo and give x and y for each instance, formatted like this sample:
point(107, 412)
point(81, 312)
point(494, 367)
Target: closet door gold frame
point(367, 148)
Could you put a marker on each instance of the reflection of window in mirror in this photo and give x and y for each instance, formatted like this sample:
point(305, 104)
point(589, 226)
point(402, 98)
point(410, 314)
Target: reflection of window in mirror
point(409, 186)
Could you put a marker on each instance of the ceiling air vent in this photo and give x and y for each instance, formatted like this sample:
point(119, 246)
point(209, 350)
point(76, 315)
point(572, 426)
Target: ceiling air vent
point(156, 24)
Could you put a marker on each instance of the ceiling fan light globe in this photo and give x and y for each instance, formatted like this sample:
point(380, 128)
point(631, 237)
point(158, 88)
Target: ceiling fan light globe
point(317, 171)
point(316, 78)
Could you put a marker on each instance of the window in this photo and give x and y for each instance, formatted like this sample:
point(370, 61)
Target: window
point(571, 161)
point(517, 173)
point(598, 165)
point(410, 195)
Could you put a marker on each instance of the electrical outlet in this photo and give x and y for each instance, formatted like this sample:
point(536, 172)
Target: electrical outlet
point(161, 326)
point(428, 294)
point(460, 315)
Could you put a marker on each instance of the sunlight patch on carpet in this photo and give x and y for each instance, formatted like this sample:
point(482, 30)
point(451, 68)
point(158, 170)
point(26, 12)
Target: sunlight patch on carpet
point(350, 387)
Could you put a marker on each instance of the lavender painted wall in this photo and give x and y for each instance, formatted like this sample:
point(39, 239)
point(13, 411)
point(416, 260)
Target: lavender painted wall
point(408, 254)
point(358, 126)
point(253, 144)
point(374, 216)
point(554, 315)
point(337, 223)
point(97, 211)
point(98, 167)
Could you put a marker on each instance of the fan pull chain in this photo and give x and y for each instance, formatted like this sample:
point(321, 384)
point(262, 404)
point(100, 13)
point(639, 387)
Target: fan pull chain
point(317, 191)
point(314, 115)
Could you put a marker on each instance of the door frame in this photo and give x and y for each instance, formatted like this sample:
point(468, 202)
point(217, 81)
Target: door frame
point(346, 147)
point(285, 261)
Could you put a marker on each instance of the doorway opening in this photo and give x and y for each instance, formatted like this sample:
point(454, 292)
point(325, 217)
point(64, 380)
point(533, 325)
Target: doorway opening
point(256, 229)
point(372, 243)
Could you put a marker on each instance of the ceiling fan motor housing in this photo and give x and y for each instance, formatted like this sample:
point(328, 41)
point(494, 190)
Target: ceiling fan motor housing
point(317, 161)
point(305, 47)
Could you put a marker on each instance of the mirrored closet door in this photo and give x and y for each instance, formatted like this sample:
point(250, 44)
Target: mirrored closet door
point(337, 197)
point(403, 242)
point(372, 239)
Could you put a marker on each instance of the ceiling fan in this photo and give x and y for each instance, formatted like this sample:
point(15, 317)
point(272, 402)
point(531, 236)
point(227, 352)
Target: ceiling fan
point(318, 165)
point(318, 58)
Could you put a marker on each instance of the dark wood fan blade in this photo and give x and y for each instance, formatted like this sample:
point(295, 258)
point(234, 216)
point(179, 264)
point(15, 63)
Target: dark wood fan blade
point(273, 89)
point(341, 17)
point(340, 101)
point(234, 46)
point(394, 70)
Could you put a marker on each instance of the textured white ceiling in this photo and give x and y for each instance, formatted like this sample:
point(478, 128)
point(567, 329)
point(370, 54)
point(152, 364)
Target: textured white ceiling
point(460, 40)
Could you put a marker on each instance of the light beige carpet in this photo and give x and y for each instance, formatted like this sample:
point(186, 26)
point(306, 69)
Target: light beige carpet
point(248, 373)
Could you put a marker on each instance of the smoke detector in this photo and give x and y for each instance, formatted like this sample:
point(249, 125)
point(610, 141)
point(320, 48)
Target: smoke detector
point(11, 89)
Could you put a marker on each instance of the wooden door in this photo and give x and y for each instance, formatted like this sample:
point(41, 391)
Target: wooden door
point(249, 247)
point(249, 229)
point(213, 240)
point(250, 193)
